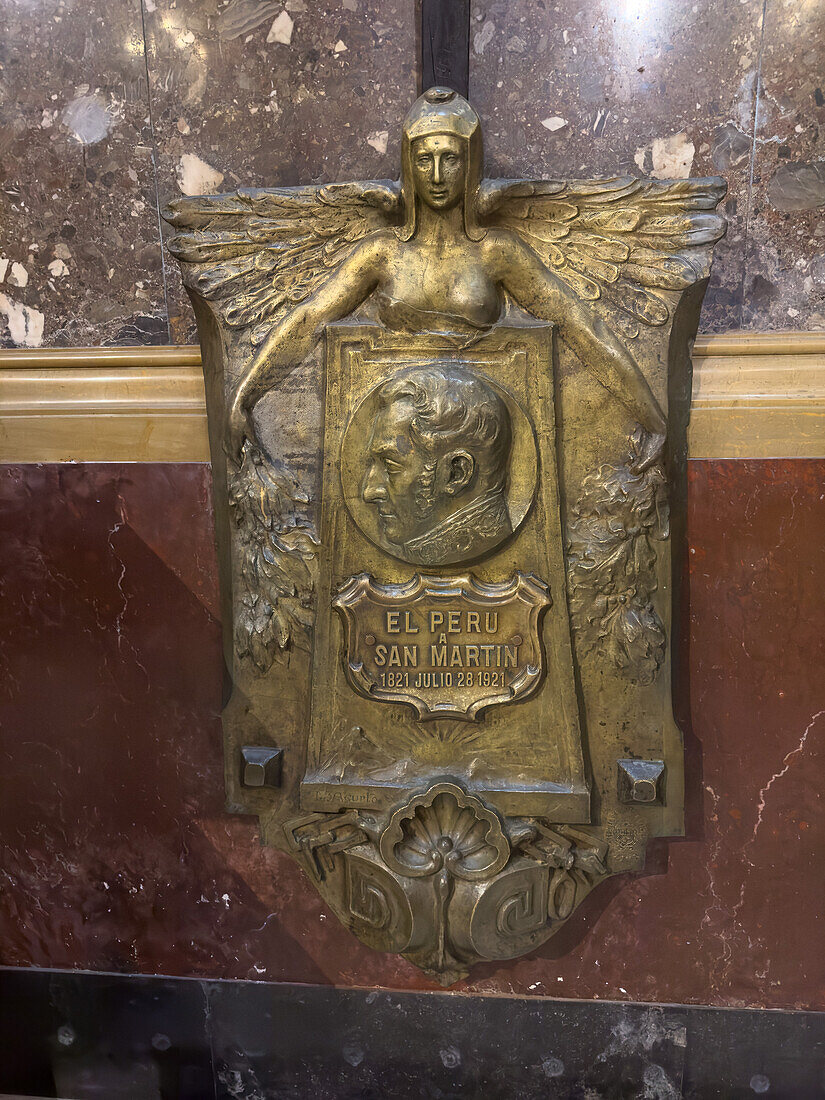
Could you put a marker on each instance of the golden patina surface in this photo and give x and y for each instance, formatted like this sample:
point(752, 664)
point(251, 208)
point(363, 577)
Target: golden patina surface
point(449, 646)
point(447, 421)
point(449, 467)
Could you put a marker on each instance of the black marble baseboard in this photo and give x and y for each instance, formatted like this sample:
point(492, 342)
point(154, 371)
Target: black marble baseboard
point(113, 1037)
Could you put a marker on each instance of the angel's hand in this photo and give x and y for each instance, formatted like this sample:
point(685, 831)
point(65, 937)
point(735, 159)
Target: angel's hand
point(239, 428)
point(649, 453)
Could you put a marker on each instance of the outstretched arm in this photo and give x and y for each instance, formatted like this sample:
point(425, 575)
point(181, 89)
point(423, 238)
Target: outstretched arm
point(538, 290)
point(293, 338)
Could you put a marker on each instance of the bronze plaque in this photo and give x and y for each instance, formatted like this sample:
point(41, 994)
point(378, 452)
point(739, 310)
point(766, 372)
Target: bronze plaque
point(403, 507)
point(447, 646)
point(448, 426)
point(430, 430)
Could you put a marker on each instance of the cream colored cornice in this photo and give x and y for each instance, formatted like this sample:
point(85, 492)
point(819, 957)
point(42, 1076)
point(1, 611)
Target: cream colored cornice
point(758, 395)
point(102, 405)
point(755, 395)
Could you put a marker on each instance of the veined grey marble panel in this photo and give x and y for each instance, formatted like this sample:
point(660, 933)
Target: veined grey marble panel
point(80, 257)
point(268, 92)
point(662, 88)
point(243, 93)
point(260, 93)
point(785, 272)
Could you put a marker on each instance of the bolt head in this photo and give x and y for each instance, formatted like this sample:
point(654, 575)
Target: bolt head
point(641, 781)
point(261, 766)
point(644, 790)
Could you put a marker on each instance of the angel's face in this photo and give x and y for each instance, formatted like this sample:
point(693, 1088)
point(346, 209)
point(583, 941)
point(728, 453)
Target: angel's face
point(439, 163)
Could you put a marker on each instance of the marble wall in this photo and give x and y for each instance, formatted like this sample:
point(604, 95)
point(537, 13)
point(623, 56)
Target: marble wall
point(108, 110)
point(118, 854)
point(668, 88)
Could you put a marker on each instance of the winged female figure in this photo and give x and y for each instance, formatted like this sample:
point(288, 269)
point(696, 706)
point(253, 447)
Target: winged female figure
point(446, 251)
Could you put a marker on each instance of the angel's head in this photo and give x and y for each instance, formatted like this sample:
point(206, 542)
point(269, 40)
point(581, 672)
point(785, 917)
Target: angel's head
point(441, 159)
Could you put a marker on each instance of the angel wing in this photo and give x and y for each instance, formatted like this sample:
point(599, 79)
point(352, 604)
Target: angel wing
point(621, 244)
point(257, 252)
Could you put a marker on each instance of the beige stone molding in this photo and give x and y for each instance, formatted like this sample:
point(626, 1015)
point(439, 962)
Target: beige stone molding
point(755, 395)
point(758, 395)
point(102, 405)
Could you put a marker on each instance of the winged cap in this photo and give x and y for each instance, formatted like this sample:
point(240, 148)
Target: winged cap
point(442, 111)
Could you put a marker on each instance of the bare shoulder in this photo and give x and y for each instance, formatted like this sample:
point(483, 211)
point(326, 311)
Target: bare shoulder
point(504, 248)
point(376, 247)
point(364, 266)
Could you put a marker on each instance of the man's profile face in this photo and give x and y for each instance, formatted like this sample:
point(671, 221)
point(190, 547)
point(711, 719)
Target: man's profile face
point(410, 490)
point(395, 475)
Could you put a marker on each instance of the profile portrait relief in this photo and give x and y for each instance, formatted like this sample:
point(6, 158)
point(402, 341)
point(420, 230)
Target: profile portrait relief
point(437, 465)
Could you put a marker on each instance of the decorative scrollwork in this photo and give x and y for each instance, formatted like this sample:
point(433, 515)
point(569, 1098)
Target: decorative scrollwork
point(446, 881)
point(378, 907)
point(278, 557)
point(612, 564)
point(445, 829)
point(317, 838)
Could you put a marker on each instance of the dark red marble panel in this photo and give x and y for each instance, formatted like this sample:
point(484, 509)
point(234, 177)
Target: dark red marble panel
point(117, 854)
